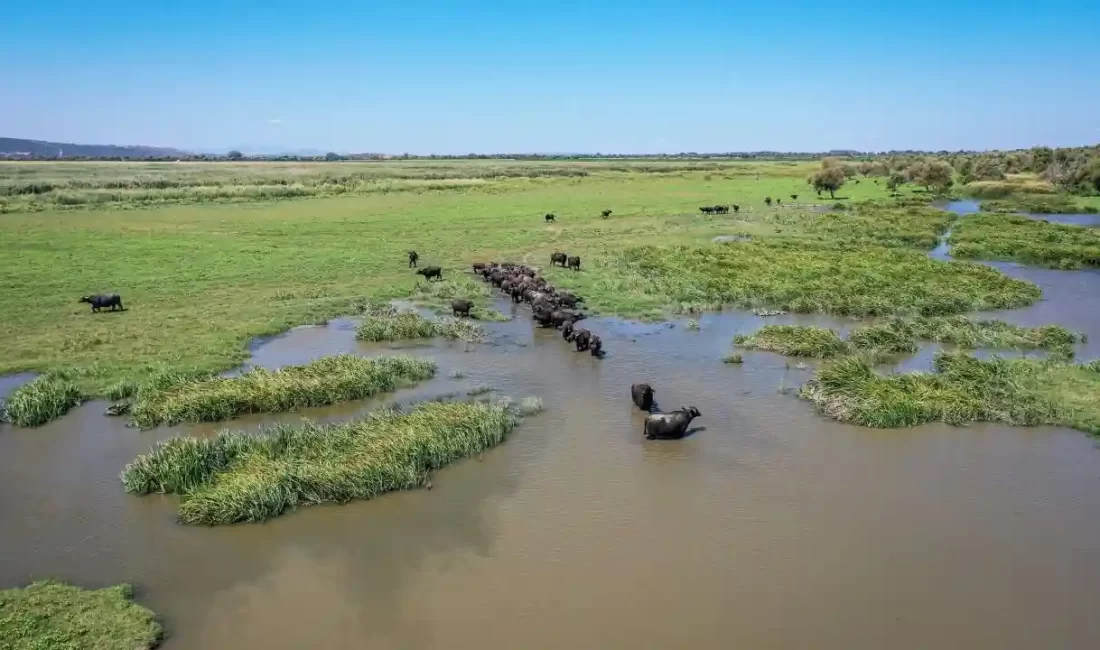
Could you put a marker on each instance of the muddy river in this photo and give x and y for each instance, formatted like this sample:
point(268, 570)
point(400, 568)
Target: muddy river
point(769, 527)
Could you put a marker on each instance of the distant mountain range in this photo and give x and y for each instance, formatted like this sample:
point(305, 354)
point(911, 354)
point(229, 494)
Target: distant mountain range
point(20, 148)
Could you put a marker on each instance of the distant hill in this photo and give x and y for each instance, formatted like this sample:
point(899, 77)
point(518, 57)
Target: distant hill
point(18, 148)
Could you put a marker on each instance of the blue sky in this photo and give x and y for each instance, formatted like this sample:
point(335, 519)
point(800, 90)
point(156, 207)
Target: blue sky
point(559, 76)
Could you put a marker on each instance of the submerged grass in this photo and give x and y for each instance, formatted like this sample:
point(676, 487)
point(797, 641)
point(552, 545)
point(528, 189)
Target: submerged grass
point(796, 277)
point(325, 381)
point(40, 400)
point(898, 335)
point(1024, 392)
point(236, 477)
point(382, 324)
point(54, 615)
point(990, 236)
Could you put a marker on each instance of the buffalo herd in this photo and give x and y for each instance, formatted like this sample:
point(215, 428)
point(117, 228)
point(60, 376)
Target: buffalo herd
point(550, 307)
point(719, 209)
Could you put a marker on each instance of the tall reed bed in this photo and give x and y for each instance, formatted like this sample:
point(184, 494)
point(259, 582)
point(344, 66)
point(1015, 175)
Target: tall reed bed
point(41, 400)
point(236, 477)
point(1024, 392)
point(388, 324)
point(325, 381)
point(897, 335)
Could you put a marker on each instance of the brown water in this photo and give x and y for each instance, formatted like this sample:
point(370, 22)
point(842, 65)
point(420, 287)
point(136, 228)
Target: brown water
point(770, 527)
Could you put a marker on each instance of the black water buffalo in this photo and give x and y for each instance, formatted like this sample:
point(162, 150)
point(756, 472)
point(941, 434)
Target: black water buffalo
point(707, 209)
point(768, 200)
point(642, 395)
point(558, 258)
point(669, 425)
point(567, 331)
point(102, 301)
point(605, 214)
point(517, 293)
point(430, 272)
point(574, 263)
point(595, 346)
point(722, 209)
point(479, 266)
point(413, 257)
point(563, 316)
point(582, 338)
point(550, 217)
point(461, 307)
point(543, 317)
point(568, 299)
point(736, 208)
point(794, 197)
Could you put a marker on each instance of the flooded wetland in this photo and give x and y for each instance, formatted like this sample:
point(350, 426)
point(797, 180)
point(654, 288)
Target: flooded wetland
point(768, 525)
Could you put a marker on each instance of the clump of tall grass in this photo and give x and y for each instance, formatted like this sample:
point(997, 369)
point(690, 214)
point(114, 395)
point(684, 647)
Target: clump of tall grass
point(801, 276)
point(235, 477)
point(794, 341)
point(962, 388)
point(325, 381)
point(990, 236)
point(438, 296)
point(1050, 204)
point(52, 614)
point(899, 335)
point(733, 358)
point(41, 400)
point(400, 325)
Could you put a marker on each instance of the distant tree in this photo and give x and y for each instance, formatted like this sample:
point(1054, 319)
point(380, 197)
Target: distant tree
point(935, 175)
point(895, 181)
point(234, 155)
point(332, 155)
point(829, 178)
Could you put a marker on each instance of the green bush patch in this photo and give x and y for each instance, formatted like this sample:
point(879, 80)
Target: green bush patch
point(1031, 241)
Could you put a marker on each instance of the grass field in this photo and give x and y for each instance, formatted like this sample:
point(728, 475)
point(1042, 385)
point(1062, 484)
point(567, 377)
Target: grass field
point(236, 477)
point(54, 615)
point(201, 279)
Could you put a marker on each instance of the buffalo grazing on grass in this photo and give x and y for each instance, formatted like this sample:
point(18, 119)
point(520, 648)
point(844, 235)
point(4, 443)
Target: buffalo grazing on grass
point(574, 262)
point(430, 273)
point(102, 301)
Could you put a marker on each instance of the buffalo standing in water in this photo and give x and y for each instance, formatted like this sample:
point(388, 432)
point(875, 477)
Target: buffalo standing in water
point(413, 257)
point(669, 425)
point(582, 338)
point(595, 346)
point(102, 301)
point(642, 396)
point(461, 307)
point(430, 272)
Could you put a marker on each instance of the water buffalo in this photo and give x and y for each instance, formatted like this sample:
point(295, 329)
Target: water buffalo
point(550, 217)
point(605, 214)
point(568, 300)
point(736, 208)
point(461, 307)
point(707, 209)
point(642, 395)
point(669, 425)
point(517, 293)
point(497, 277)
point(558, 258)
point(479, 267)
point(413, 257)
point(722, 209)
point(543, 317)
point(102, 301)
point(794, 197)
point(567, 332)
point(574, 263)
point(768, 200)
point(563, 316)
point(430, 272)
point(582, 338)
point(595, 346)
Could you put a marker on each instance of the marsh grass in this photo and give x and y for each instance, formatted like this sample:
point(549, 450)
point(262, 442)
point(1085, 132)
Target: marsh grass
point(51, 614)
point(325, 381)
point(798, 277)
point(236, 477)
point(962, 389)
point(990, 236)
point(898, 335)
point(794, 341)
point(1038, 204)
point(396, 325)
point(438, 296)
point(42, 399)
point(733, 358)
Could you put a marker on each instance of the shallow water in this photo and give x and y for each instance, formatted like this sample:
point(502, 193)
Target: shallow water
point(769, 527)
